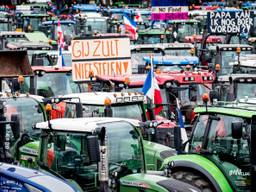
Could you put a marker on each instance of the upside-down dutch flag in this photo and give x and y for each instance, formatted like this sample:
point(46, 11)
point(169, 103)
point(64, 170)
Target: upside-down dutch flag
point(152, 90)
point(130, 26)
point(60, 62)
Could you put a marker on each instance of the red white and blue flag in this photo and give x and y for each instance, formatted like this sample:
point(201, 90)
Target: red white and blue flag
point(152, 90)
point(130, 26)
point(60, 62)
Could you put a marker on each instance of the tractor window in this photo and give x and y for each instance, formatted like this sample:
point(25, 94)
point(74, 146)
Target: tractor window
point(177, 52)
point(28, 109)
point(126, 150)
point(220, 136)
point(52, 84)
point(245, 89)
point(201, 89)
point(184, 96)
point(198, 134)
point(131, 111)
point(67, 154)
point(165, 111)
point(229, 57)
point(220, 140)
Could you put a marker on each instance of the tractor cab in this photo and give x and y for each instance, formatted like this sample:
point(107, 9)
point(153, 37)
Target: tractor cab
point(235, 86)
point(49, 58)
point(30, 22)
point(88, 26)
point(51, 81)
point(187, 87)
point(6, 21)
point(182, 28)
point(220, 56)
point(10, 37)
point(18, 115)
point(124, 104)
point(141, 50)
point(68, 27)
point(222, 136)
point(240, 83)
point(154, 36)
point(170, 63)
point(178, 49)
point(100, 153)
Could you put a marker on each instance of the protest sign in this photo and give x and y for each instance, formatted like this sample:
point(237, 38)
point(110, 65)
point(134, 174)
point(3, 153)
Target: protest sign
point(169, 10)
point(228, 22)
point(100, 56)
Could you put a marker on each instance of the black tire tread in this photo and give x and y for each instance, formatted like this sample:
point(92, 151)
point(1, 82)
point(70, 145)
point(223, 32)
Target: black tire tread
point(194, 179)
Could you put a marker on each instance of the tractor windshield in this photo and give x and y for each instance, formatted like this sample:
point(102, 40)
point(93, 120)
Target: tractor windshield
point(126, 150)
point(4, 26)
point(153, 38)
point(177, 52)
point(52, 84)
point(137, 56)
point(245, 89)
point(231, 154)
point(30, 112)
point(67, 153)
point(186, 29)
point(229, 57)
point(98, 24)
point(68, 30)
point(129, 110)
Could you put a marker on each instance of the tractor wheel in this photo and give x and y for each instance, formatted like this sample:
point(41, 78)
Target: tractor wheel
point(194, 179)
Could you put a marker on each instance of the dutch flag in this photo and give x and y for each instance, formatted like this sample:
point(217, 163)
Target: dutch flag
point(60, 62)
point(130, 26)
point(152, 90)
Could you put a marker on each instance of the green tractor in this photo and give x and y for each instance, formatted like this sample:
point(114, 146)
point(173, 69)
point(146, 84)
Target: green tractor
point(101, 154)
point(221, 155)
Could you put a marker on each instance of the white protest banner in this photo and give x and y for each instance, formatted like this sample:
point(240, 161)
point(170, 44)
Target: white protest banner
point(100, 55)
point(228, 22)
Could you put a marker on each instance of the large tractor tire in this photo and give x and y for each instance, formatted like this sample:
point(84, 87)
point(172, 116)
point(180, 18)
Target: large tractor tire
point(194, 179)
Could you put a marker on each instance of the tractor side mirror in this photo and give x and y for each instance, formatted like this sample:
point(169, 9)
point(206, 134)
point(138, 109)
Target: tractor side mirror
point(93, 148)
point(177, 139)
point(15, 125)
point(108, 112)
point(237, 130)
point(214, 94)
point(61, 143)
point(79, 110)
point(89, 28)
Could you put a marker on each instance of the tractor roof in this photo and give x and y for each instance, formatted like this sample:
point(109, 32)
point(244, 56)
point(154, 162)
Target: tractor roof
point(134, 79)
point(4, 95)
point(173, 60)
point(51, 69)
point(231, 47)
point(146, 46)
point(225, 78)
point(11, 34)
point(98, 98)
point(82, 124)
point(239, 109)
point(29, 45)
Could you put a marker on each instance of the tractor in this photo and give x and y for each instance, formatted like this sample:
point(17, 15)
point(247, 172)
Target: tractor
point(101, 154)
point(221, 154)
